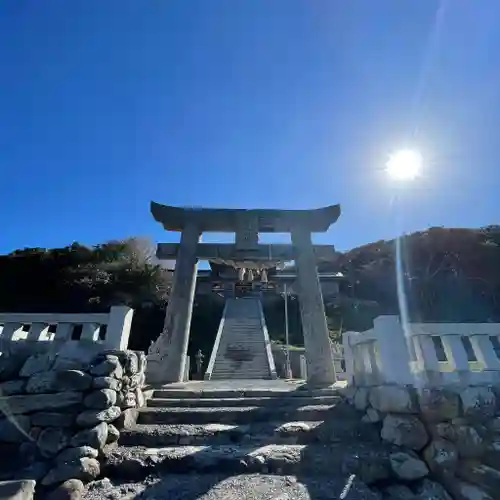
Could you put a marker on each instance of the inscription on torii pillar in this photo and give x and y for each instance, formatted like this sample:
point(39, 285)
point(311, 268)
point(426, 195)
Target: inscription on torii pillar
point(167, 356)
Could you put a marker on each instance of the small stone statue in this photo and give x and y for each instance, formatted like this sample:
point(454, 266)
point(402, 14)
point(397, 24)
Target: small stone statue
point(199, 357)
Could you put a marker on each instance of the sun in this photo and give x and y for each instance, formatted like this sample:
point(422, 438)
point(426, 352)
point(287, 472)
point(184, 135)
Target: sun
point(405, 164)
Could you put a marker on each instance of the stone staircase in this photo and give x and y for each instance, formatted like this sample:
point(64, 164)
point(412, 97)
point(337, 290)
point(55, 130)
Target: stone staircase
point(250, 438)
point(242, 349)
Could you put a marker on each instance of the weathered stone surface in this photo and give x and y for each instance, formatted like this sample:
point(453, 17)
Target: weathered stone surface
point(467, 440)
point(478, 403)
point(399, 492)
point(72, 489)
point(437, 405)
point(441, 456)
point(128, 400)
point(35, 470)
point(85, 469)
point(89, 418)
point(113, 434)
point(53, 419)
point(369, 467)
point(52, 440)
point(127, 418)
point(492, 455)
point(407, 466)
point(109, 367)
point(37, 363)
point(56, 381)
point(100, 399)
point(27, 403)
point(130, 363)
point(372, 416)
point(15, 428)
point(392, 399)
point(107, 383)
point(10, 366)
point(430, 490)
point(404, 430)
point(23, 489)
point(12, 387)
point(494, 425)
point(71, 454)
point(466, 491)
point(136, 380)
point(361, 398)
point(95, 437)
point(142, 361)
point(487, 478)
point(292, 428)
point(140, 400)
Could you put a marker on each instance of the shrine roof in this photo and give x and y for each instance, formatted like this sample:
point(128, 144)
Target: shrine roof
point(229, 220)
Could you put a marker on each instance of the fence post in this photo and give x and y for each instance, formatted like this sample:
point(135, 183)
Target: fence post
point(119, 323)
point(393, 350)
point(303, 367)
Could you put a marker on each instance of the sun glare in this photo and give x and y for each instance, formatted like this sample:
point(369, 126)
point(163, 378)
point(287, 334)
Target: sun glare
point(405, 164)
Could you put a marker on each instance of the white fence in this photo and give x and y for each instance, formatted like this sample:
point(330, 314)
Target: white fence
point(111, 329)
point(427, 354)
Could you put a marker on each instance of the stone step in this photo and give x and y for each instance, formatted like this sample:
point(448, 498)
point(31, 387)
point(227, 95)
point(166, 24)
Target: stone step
point(341, 430)
point(331, 460)
point(245, 401)
point(240, 389)
point(240, 487)
point(239, 415)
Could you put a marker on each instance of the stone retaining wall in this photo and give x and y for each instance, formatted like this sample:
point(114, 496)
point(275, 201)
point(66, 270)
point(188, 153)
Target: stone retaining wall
point(451, 435)
point(60, 409)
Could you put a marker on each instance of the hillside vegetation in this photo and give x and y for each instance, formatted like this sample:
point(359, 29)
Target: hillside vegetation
point(448, 275)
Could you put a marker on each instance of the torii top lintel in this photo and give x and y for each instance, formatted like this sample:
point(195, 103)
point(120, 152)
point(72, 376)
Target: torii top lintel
point(230, 220)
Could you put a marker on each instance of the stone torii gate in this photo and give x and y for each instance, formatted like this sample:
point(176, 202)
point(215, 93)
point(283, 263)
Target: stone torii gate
point(167, 355)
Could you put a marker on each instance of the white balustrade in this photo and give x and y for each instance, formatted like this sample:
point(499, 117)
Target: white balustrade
point(110, 329)
point(393, 353)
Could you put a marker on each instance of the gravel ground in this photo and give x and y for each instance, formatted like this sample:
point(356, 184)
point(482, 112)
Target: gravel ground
point(242, 487)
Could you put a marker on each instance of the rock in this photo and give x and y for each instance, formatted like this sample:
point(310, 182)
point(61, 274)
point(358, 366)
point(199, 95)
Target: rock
point(107, 383)
point(12, 387)
point(372, 416)
point(15, 429)
point(85, 469)
point(407, 467)
point(140, 400)
point(398, 492)
point(128, 400)
point(130, 362)
point(136, 380)
point(89, 418)
point(71, 454)
point(72, 489)
point(110, 367)
point(56, 381)
point(361, 399)
point(100, 399)
point(142, 361)
point(437, 405)
point(52, 440)
point(113, 434)
point(28, 403)
point(95, 437)
point(37, 363)
point(441, 456)
point(127, 419)
point(392, 398)
point(466, 491)
point(53, 419)
point(404, 430)
point(101, 484)
point(492, 455)
point(10, 366)
point(467, 440)
point(370, 467)
point(478, 403)
point(35, 471)
point(481, 475)
point(430, 490)
point(494, 425)
point(23, 489)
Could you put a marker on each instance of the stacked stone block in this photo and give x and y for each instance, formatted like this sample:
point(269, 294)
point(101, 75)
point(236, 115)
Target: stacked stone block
point(59, 412)
point(450, 435)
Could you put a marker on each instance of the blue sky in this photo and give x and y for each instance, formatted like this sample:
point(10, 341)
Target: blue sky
point(106, 105)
